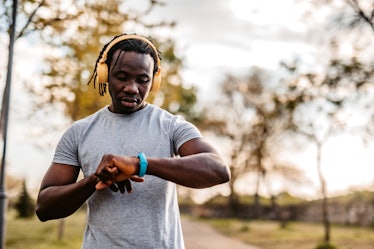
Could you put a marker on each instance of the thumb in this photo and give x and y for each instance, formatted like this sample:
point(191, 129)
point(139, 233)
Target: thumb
point(101, 185)
point(137, 178)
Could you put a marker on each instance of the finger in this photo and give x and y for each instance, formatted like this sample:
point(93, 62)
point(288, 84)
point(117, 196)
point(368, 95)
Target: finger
point(121, 186)
point(137, 178)
point(113, 187)
point(101, 185)
point(107, 173)
point(103, 177)
point(128, 185)
point(112, 170)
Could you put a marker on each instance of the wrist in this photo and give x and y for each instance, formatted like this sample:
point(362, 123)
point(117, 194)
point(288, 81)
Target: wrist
point(143, 164)
point(92, 180)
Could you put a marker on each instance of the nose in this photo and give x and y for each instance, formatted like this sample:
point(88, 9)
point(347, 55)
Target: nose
point(131, 87)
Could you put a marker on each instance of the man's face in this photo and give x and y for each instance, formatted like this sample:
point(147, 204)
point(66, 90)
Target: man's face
point(130, 80)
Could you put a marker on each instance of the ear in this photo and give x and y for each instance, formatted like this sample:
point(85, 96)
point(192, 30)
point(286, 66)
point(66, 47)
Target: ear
point(156, 81)
point(102, 72)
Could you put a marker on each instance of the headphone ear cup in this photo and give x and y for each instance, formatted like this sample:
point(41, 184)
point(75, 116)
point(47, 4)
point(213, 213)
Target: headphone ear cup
point(102, 72)
point(156, 81)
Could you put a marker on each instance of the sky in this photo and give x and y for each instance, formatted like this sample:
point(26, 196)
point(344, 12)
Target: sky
point(214, 37)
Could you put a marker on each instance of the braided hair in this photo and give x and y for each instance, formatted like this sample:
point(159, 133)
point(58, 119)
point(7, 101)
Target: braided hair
point(128, 45)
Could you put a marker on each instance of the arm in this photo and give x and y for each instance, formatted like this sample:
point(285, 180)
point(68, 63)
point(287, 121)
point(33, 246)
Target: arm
point(60, 194)
point(199, 166)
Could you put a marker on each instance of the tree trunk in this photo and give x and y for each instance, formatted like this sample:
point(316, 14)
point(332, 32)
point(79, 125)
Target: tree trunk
point(325, 211)
point(257, 204)
point(60, 230)
point(233, 198)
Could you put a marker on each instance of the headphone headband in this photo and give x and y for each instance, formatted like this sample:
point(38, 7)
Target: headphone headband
point(102, 67)
point(128, 37)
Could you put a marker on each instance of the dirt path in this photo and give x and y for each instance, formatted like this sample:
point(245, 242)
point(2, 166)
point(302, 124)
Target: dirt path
point(198, 235)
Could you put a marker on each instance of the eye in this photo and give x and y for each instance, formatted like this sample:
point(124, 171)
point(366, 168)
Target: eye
point(143, 80)
point(121, 75)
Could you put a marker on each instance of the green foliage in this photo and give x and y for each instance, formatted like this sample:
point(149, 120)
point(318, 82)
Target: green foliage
point(245, 228)
point(325, 245)
point(79, 41)
point(287, 199)
point(174, 96)
point(76, 36)
point(25, 205)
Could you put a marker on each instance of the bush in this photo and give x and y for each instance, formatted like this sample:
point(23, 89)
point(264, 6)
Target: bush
point(24, 205)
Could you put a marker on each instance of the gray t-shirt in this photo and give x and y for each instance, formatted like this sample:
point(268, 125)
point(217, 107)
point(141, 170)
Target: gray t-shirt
point(149, 216)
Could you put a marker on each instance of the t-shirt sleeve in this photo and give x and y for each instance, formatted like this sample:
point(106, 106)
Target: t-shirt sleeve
point(67, 148)
point(183, 132)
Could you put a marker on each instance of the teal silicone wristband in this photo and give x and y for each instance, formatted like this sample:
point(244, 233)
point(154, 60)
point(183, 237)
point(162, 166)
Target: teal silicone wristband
point(143, 164)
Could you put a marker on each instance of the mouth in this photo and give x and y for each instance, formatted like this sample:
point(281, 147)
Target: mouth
point(129, 102)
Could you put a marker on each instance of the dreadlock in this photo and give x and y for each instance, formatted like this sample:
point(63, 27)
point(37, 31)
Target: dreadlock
point(129, 45)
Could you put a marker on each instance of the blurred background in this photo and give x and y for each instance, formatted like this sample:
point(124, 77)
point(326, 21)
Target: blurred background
point(283, 89)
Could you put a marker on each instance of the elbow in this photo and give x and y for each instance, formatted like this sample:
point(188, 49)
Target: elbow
point(225, 175)
point(41, 218)
point(222, 171)
point(220, 176)
point(41, 213)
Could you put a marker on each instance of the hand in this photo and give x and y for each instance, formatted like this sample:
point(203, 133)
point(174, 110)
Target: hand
point(116, 172)
point(122, 186)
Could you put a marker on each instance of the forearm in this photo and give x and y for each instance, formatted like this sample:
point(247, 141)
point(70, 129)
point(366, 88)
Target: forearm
point(56, 202)
point(200, 170)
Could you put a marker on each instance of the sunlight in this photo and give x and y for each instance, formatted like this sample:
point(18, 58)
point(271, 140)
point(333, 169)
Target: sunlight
point(268, 12)
point(265, 11)
point(241, 8)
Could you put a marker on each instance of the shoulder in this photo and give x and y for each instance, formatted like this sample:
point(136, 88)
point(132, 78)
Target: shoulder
point(156, 110)
point(87, 121)
point(165, 117)
point(77, 128)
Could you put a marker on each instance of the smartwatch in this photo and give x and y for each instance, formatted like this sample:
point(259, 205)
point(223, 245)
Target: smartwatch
point(143, 164)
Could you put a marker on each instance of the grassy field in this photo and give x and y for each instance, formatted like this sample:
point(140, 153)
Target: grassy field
point(296, 235)
point(33, 234)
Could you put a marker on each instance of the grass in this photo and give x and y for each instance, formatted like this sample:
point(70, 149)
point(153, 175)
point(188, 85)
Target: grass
point(296, 235)
point(33, 234)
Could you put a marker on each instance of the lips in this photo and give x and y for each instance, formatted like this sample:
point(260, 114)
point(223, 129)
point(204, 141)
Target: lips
point(129, 100)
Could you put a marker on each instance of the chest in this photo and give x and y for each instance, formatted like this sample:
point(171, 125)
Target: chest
point(123, 138)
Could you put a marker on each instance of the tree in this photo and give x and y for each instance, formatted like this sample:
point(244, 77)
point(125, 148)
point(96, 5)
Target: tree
point(324, 107)
point(252, 116)
point(67, 73)
point(344, 84)
point(352, 14)
point(25, 205)
point(351, 22)
point(74, 32)
point(319, 128)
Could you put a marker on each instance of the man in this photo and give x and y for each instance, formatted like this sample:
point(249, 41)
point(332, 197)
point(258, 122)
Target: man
point(131, 146)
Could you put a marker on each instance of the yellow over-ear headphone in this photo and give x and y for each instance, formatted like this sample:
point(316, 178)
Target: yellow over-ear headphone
point(102, 67)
